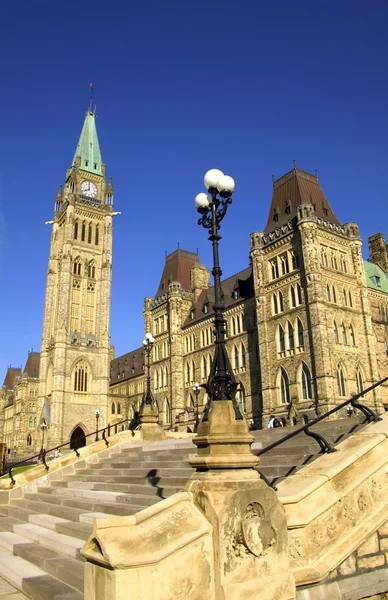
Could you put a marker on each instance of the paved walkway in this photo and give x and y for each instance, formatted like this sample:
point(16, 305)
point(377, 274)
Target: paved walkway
point(8, 592)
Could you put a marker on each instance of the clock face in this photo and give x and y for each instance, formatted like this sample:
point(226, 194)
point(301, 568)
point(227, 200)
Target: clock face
point(89, 189)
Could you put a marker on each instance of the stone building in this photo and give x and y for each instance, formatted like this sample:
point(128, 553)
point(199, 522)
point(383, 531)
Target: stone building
point(307, 318)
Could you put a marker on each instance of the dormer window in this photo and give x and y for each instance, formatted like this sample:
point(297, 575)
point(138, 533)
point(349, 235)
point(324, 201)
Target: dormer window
point(206, 308)
point(377, 280)
point(86, 163)
point(192, 314)
point(236, 294)
point(288, 208)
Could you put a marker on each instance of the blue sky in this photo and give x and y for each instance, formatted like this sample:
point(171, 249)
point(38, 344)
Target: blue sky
point(181, 87)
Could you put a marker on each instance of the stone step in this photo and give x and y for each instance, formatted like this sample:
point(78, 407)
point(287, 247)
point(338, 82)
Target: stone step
point(16, 570)
point(9, 539)
point(7, 523)
point(68, 545)
point(66, 512)
point(65, 569)
point(47, 521)
point(47, 587)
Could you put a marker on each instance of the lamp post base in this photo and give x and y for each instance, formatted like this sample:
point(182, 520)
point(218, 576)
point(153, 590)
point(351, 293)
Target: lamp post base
point(149, 427)
point(223, 442)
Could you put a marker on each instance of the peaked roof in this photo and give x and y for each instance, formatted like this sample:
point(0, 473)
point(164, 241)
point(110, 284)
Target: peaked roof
point(88, 148)
point(177, 268)
point(10, 379)
point(127, 366)
point(241, 282)
point(376, 279)
point(290, 191)
point(31, 368)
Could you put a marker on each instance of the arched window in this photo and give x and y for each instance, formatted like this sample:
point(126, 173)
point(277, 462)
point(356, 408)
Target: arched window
point(165, 377)
point(275, 304)
point(335, 331)
point(29, 440)
point(350, 299)
point(328, 293)
point(307, 392)
point(156, 379)
point(77, 266)
point(76, 230)
point(293, 297)
point(291, 342)
point(118, 408)
point(352, 338)
point(300, 333)
point(345, 297)
point(30, 422)
point(81, 377)
point(236, 358)
point(241, 398)
point(299, 293)
point(334, 295)
point(113, 408)
point(83, 232)
point(284, 387)
point(238, 323)
point(167, 412)
point(359, 382)
point(282, 342)
point(344, 336)
point(341, 388)
point(281, 303)
point(97, 235)
point(187, 372)
point(204, 367)
point(233, 326)
point(243, 356)
point(92, 269)
point(90, 233)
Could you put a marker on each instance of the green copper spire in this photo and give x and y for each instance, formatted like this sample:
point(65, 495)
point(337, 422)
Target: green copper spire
point(88, 148)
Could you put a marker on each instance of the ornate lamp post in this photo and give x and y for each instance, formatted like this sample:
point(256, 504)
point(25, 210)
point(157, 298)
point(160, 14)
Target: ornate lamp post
point(196, 390)
point(97, 413)
point(223, 438)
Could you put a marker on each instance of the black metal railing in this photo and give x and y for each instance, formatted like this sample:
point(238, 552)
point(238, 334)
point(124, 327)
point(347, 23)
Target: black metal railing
point(105, 432)
point(325, 446)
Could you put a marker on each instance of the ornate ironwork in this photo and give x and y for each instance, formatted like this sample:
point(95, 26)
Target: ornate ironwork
point(370, 414)
point(221, 384)
point(324, 444)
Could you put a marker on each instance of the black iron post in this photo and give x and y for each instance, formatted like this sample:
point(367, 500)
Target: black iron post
point(196, 390)
point(148, 399)
point(221, 384)
point(43, 427)
point(97, 413)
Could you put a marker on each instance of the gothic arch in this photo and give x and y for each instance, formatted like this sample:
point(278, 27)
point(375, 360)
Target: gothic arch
point(81, 376)
point(49, 379)
point(283, 386)
point(78, 437)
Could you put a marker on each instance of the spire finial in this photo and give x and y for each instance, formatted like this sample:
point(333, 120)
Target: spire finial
point(316, 174)
point(273, 179)
point(91, 85)
point(294, 161)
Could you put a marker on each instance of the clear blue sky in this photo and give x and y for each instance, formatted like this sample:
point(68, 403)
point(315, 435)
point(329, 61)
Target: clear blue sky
point(181, 87)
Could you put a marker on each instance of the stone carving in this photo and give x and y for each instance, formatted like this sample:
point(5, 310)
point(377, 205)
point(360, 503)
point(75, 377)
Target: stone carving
point(256, 535)
point(362, 501)
point(296, 548)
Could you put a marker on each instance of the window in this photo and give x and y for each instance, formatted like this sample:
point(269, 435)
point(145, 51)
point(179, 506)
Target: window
point(284, 387)
point(118, 408)
point(241, 398)
point(281, 304)
point(81, 377)
point(97, 235)
point(359, 382)
point(284, 264)
point(299, 293)
point(307, 392)
point(167, 412)
point(236, 358)
point(328, 294)
point(236, 294)
point(90, 233)
point(76, 230)
point(350, 299)
point(282, 342)
point(243, 356)
point(344, 336)
point(334, 295)
point(83, 232)
point(336, 338)
point(92, 269)
point(90, 303)
point(29, 440)
point(352, 338)
point(113, 408)
point(291, 343)
point(274, 268)
point(30, 422)
point(77, 266)
point(345, 297)
point(300, 333)
point(275, 304)
point(293, 297)
point(192, 314)
point(206, 308)
point(295, 259)
point(324, 260)
point(75, 308)
point(341, 388)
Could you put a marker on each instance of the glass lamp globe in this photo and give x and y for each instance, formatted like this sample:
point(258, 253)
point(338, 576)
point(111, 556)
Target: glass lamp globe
point(202, 201)
point(145, 343)
point(225, 185)
point(148, 336)
point(211, 178)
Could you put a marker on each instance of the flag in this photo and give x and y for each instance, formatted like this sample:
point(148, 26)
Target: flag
point(91, 85)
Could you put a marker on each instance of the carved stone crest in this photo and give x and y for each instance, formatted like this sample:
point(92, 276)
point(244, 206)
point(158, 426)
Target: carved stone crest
point(257, 533)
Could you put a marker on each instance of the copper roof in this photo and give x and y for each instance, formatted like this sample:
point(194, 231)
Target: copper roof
point(32, 365)
point(290, 191)
point(236, 288)
point(127, 366)
point(10, 378)
point(177, 268)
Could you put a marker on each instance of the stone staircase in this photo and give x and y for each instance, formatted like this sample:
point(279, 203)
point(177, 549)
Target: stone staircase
point(42, 531)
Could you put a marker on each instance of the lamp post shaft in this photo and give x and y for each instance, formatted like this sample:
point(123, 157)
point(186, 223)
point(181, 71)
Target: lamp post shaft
point(148, 397)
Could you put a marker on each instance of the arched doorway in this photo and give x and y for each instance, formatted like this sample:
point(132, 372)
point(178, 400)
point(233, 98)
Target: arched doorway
point(77, 439)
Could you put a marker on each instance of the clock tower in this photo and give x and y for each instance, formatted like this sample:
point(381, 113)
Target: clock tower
point(74, 364)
